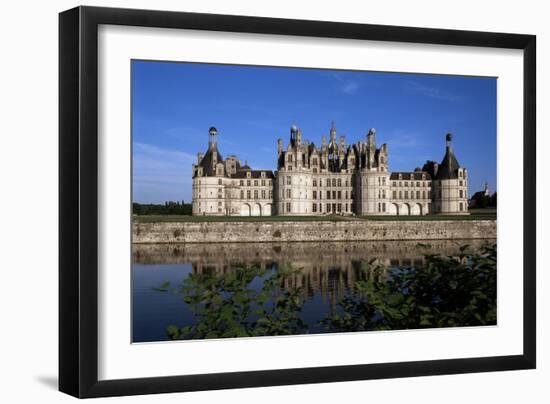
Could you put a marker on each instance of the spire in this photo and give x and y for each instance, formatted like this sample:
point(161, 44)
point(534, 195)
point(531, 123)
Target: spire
point(333, 132)
point(448, 169)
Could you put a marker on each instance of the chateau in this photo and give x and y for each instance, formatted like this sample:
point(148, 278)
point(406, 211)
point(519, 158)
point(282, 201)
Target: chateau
point(333, 178)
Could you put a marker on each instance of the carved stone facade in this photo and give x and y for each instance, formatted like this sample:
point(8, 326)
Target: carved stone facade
point(334, 178)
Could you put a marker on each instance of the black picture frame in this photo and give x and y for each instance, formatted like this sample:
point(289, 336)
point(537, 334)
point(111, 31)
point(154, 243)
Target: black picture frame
point(78, 201)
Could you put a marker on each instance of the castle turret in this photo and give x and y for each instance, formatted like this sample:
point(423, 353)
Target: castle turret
point(333, 133)
point(450, 187)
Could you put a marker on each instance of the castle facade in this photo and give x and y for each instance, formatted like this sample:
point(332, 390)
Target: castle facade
point(333, 178)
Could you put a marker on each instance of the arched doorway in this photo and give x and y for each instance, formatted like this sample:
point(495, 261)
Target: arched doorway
point(256, 209)
point(266, 210)
point(394, 209)
point(416, 209)
point(245, 209)
point(406, 209)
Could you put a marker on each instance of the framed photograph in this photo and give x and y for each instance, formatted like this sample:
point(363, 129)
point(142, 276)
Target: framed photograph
point(251, 201)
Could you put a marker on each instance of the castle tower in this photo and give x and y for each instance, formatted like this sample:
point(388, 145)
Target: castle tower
point(372, 182)
point(450, 186)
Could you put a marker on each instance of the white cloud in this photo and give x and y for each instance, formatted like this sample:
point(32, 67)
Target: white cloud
point(346, 86)
point(161, 174)
point(432, 92)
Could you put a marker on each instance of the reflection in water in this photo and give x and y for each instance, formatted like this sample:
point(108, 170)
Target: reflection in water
point(314, 287)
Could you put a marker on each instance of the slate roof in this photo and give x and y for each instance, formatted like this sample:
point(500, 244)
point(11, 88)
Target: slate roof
point(448, 169)
point(206, 162)
point(253, 174)
point(407, 176)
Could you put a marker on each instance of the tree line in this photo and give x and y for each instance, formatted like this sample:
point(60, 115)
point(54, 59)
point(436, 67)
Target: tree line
point(480, 200)
point(168, 208)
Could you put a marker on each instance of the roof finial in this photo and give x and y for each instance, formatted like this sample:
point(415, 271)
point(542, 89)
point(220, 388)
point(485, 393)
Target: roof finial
point(213, 132)
point(448, 140)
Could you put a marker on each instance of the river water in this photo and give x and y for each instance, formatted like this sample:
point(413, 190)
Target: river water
point(193, 291)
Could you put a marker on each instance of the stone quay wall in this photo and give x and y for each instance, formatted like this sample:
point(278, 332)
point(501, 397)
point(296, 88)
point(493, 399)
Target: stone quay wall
point(288, 231)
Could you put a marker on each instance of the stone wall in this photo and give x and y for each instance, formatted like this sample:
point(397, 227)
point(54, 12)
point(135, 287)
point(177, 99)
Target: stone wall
point(353, 230)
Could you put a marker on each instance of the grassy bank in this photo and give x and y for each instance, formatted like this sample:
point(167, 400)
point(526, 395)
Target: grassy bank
point(201, 219)
point(475, 214)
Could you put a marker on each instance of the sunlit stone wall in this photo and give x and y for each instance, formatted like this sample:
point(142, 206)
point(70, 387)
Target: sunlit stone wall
point(227, 232)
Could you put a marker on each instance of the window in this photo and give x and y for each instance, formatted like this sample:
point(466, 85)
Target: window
point(314, 194)
point(314, 208)
point(379, 207)
point(406, 194)
point(263, 183)
point(328, 194)
point(242, 183)
point(394, 184)
point(328, 182)
point(288, 207)
point(339, 194)
point(288, 193)
point(461, 206)
point(248, 194)
point(255, 194)
point(334, 182)
point(347, 194)
point(314, 182)
point(417, 194)
point(460, 182)
point(461, 195)
point(383, 206)
point(314, 161)
point(270, 194)
point(347, 183)
point(423, 194)
point(406, 183)
point(339, 182)
point(242, 194)
point(400, 194)
point(328, 208)
point(346, 207)
point(263, 193)
point(220, 181)
point(417, 183)
point(339, 207)
point(290, 158)
point(255, 183)
point(248, 183)
point(288, 180)
point(333, 194)
point(394, 195)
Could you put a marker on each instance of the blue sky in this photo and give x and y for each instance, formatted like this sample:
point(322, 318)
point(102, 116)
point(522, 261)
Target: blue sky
point(174, 104)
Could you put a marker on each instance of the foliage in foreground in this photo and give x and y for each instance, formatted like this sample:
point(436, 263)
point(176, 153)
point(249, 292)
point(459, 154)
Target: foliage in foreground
point(443, 292)
point(229, 306)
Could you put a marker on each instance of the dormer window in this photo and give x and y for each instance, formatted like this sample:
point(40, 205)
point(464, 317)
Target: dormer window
point(263, 174)
point(248, 174)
